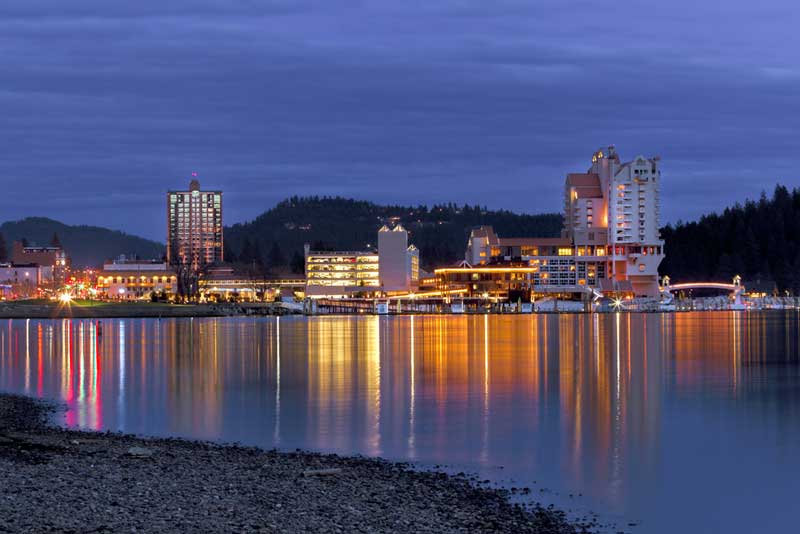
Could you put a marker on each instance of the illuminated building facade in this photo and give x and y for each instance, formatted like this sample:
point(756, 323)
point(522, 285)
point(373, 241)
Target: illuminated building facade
point(194, 227)
point(224, 283)
point(617, 205)
point(135, 280)
point(610, 240)
point(340, 273)
point(394, 268)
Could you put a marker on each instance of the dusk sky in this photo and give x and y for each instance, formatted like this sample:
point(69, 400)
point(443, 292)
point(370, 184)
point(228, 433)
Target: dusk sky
point(104, 107)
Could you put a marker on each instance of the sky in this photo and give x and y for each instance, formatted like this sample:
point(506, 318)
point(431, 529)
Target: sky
point(107, 105)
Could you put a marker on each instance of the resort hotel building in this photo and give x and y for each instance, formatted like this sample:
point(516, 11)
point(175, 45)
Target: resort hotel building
point(610, 243)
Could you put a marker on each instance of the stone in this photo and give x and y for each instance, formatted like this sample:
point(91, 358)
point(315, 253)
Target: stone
point(140, 452)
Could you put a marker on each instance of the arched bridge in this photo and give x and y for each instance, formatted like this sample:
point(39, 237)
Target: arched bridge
point(736, 288)
point(703, 285)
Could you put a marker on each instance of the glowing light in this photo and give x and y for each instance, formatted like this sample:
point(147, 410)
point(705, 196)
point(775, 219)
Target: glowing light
point(65, 298)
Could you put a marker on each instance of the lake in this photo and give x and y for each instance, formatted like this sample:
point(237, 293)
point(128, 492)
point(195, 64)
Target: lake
point(676, 422)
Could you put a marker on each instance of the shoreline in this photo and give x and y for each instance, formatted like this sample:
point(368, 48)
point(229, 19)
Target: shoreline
point(18, 310)
point(124, 310)
point(79, 481)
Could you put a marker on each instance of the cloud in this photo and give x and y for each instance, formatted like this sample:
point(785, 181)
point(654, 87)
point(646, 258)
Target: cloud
point(106, 106)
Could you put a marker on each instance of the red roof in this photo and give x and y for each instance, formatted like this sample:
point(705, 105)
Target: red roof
point(580, 179)
point(586, 185)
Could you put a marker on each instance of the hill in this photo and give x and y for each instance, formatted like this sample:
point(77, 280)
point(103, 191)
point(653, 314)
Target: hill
point(758, 240)
point(86, 245)
point(276, 237)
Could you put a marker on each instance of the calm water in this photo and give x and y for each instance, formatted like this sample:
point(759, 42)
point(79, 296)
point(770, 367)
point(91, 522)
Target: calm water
point(682, 422)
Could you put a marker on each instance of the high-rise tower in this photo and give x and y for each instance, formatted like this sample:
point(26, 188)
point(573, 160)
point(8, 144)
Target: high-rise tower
point(194, 227)
point(617, 205)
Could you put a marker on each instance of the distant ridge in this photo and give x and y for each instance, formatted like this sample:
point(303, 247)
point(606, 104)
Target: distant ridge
point(87, 245)
point(276, 237)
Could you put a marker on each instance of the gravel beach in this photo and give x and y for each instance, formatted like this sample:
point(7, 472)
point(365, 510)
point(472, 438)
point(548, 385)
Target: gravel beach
point(56, 480)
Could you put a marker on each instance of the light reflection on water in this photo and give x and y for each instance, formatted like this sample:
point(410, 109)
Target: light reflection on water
point(681, 421)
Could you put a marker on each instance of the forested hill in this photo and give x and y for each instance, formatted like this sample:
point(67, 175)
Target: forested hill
point(759, 240)
point(87, 246)
point(440, 232)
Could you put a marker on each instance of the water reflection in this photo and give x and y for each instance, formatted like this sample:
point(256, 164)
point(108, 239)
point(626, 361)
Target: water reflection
point(626, 409)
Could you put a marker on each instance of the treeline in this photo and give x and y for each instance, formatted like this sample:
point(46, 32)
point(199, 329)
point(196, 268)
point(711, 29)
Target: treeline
point(275, 239)
point(759, 240)
point(88, 246)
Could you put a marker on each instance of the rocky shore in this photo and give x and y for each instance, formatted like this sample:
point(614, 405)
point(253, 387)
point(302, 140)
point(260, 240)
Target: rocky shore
point(56, 480)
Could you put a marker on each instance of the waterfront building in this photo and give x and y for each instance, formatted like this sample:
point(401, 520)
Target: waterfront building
point(341, 273)
point(52, 259)
point(194, 228)
point(225, 283)
point(21, 281)
point(392, 269)
point(398, 261)
point(610, 241)
point(126, 279)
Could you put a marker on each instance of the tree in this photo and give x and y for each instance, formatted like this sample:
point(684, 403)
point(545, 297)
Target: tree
point(3, 249)
point(55, 241)
point(247, 253)
point(228, 253)
point(298, 263)
point(275, 256)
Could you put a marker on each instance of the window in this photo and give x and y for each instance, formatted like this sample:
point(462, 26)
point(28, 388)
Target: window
point(565, 251)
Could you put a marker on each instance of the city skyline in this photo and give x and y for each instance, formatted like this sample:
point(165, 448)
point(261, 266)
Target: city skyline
point(270, 101)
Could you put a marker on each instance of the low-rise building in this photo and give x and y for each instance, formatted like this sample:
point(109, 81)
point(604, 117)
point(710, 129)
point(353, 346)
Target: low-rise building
point(20, 281)
point(53, 260)
point(340, 273)
point(225, 283)
point(126, 279)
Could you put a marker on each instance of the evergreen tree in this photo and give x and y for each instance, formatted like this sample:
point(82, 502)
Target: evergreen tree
point(55, 241)
point(298, 263)
point(3, 249)
point(275, 256)
point(228, 253)
point(247, 253)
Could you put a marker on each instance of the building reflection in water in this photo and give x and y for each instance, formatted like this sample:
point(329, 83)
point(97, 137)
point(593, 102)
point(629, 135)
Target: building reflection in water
point(576, 398)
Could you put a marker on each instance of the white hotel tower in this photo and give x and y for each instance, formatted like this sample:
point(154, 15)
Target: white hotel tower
point(617, 205)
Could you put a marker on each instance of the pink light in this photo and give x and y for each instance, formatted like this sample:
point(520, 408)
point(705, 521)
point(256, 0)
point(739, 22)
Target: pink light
point(194, 174)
